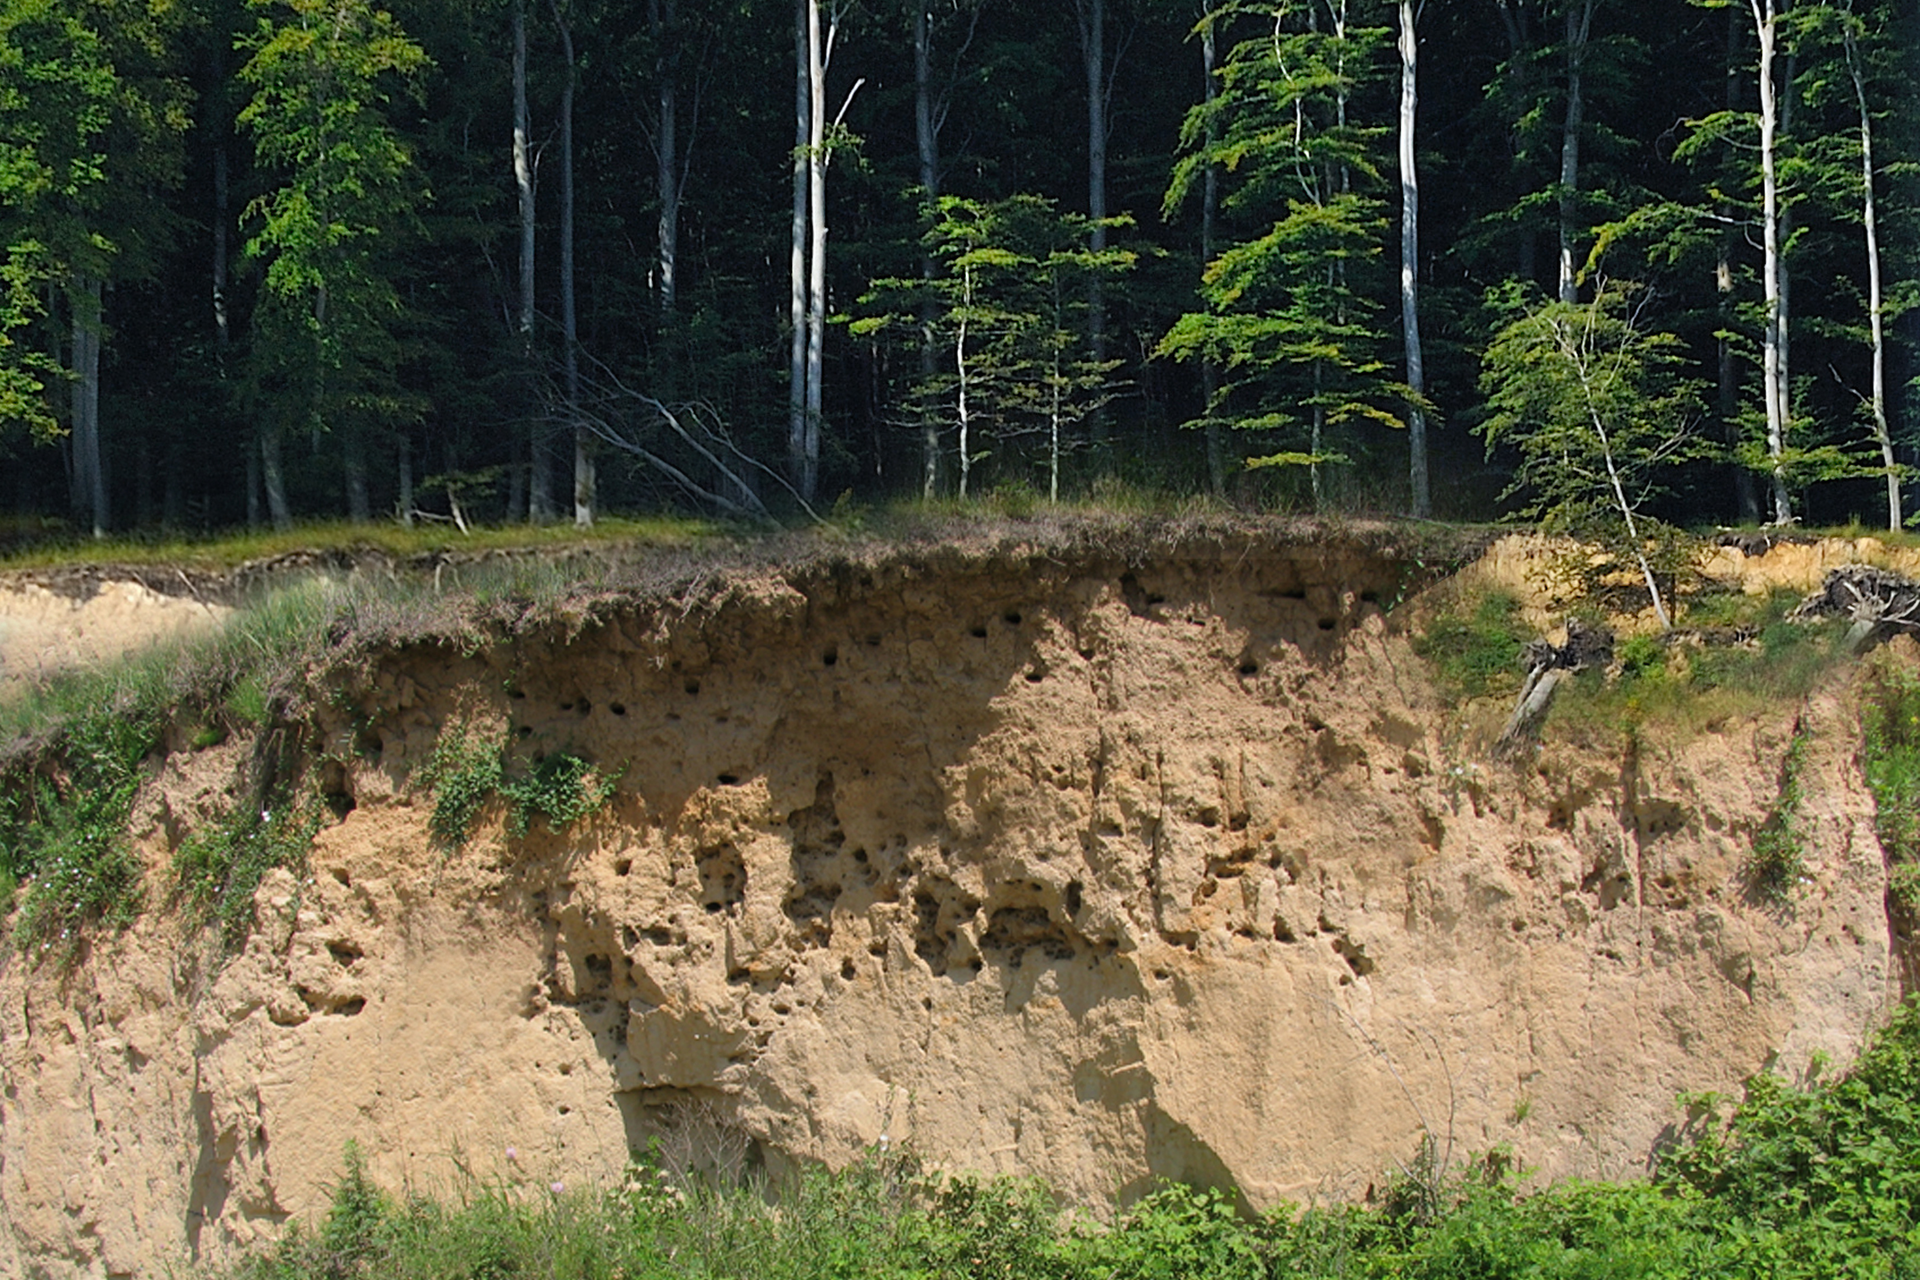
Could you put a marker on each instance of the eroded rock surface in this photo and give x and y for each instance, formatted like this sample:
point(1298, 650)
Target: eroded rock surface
point(1096, 870)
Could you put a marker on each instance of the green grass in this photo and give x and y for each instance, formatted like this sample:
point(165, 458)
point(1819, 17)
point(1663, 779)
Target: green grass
point(230, 550)
point(1890, 758)
point(1793, 1183)
point(1474, 647)
point(220, 864)
point(1777, 862)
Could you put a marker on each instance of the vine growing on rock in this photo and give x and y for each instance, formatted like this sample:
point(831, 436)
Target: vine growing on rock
point(469, 771)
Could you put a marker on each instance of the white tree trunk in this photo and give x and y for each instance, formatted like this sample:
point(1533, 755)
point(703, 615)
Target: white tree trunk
point(666, 152)
point(539, 485)
point(963, 411)
point(1882, 433)
point(89, 472)
point(1579, 24)
point(1410, 262)
point(1773, 338)
point(819, 55)
point(927, 140)
point(584, 481)
point(797, 260)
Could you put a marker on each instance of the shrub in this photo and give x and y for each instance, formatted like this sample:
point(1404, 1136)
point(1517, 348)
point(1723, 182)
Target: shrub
point(1476, 653)
point(1890, 757)
point(220, 865)
point(1777, 863)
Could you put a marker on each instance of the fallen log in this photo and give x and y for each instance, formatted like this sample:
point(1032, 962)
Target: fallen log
point(1548, 665)
point(1878, 602)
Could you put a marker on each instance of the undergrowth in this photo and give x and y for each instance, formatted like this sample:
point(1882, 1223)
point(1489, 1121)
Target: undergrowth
point(1777, 862)
point(1793, 1183)
point(1474, 648)
point(1890, 757)
point(221, 864)
point(468, 771)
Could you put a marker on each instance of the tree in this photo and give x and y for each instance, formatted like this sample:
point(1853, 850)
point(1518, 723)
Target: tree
point(1007, 301)
point(326, 346)
point(92, 114)
point(1290, 316)
point(1409, 46)
point(1599, 410)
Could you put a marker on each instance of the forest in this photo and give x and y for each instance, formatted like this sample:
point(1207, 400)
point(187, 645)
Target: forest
point(530, 260)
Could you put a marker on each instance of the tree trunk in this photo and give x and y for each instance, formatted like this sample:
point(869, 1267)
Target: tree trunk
point(407, 503)
point(1773, 338)
point(539, 481)
point(1422, 505)
point(666, 153)
point(1729, 377)
point(962, 408)
point(819, 42)
point(1882, 433)
point(583, 470)
point(1093, 57)
point(89, 473)
point(354, 462)
point(797, 261)
point(1209, 212)
point(927, 139)
point(273, 477)
point(1579, 24)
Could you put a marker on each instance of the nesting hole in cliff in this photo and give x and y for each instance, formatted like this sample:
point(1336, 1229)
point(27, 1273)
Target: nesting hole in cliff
point(1355, 956)
point(723, 878)
point(1328, 624)
point(566, 706)
point(1248, 667)
point(658, 936)
point(1281, 932)
point(848, 969)
point(831, 658)
point(1035, 675)
point(342, 877)
point(1208, 817)
point(584, 707)
point(978, 633)
point(618, 708)
point(873, 641)
point(343, 953)
point(1017, 930)
point(1140, 601)
point(1011, 617)
point(1370, 597)
point(526, 731)
point(348, 1008)
point(1074, 898)
point(623, 867)
point(692, 688)
point(728, 779)
point(878, 947)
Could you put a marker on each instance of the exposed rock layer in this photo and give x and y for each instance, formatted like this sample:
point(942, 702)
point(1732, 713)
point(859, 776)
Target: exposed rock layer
point(1098, 870)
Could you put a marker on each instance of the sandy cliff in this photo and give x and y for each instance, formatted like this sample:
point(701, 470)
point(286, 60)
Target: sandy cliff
point(1094, 865)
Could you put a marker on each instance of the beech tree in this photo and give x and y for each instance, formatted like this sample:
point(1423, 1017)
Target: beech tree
point(326, 349)
point(1599, 408)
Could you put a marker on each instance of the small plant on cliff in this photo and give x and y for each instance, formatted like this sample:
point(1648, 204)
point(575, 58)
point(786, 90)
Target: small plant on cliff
point(1890, 732)
point(468, 771)
point(221, 864)
point(1777, 864)
point(1476, 651)
point(63, 831)
point(464, 775)
point(561, 788)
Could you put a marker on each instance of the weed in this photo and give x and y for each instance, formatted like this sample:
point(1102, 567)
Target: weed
point(1777, 863)
point(561, 789)
point(1890, 732)
point(464, 774)
point(1476, 653)
point(221, 865)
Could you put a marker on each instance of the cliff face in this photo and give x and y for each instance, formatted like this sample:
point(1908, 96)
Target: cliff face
point(1099, 869)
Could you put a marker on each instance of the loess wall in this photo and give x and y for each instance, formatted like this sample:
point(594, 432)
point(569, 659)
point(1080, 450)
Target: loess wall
point(1098, 868)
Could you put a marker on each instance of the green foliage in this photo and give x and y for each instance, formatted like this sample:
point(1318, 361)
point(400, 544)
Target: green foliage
point(1777, 863)
point(1890, 758)
point(561, 788)
point(464, 774)
point(1291, 312)
point(1477, 653)
point(467, 772)
point(1795, 1184)
point(65, 833)
point(1599, 409)
point(220, 865)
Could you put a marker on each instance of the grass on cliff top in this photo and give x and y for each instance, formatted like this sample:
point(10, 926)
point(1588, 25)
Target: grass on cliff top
point(1813, 1182)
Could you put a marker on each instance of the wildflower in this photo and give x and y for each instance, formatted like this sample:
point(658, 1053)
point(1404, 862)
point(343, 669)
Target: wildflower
point(512, 1155)
point(558, 1188)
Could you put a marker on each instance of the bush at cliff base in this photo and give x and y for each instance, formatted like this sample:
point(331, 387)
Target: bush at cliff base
point(1820, 1181)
